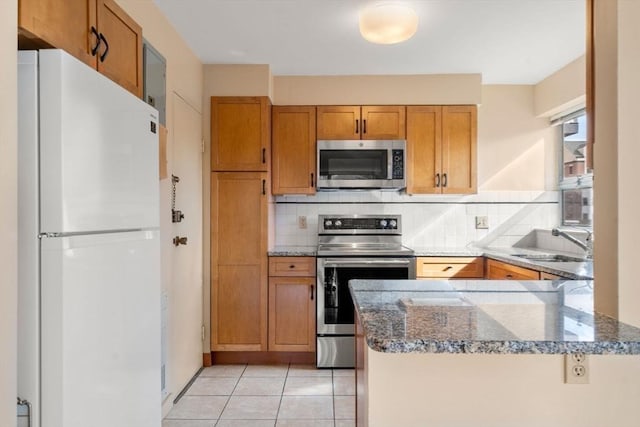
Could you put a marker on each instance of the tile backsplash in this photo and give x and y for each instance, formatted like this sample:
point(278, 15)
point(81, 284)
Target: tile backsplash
point(427, 220)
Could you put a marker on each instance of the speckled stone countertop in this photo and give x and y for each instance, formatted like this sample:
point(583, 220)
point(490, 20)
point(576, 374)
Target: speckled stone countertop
point(569, 270)
point(293, 251)
point(448, 252)
point(487, 316)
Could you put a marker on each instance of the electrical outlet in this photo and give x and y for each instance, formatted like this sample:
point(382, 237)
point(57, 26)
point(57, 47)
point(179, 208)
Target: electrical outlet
point(302, 222)
point(576, 368)
point(482, 222)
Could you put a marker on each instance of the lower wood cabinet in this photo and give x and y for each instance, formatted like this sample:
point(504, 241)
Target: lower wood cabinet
point(497, 270)
point(549, 276)
point(292, 304)
point(239, 289)
point(450, 267)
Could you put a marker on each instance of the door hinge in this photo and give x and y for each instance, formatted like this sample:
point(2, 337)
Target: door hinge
point(202, 333)
point(202, 145)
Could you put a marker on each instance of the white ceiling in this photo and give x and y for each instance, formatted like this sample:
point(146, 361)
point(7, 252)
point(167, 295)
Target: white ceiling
point(508, 41)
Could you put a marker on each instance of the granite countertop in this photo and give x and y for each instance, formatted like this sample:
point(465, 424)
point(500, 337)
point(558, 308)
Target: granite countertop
point(487, 316)
point(569, 270)
point(293, 251)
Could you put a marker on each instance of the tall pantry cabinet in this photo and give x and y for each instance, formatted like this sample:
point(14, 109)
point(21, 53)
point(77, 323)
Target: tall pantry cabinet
point(240, 196)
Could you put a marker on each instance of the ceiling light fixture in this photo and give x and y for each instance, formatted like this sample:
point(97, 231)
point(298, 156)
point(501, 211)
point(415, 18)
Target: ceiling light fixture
point(388, 23)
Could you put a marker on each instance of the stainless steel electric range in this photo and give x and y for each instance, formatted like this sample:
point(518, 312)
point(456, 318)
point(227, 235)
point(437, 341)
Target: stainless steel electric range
point(353, 247)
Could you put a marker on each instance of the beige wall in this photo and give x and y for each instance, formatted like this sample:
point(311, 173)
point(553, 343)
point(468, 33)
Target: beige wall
point(374, 90)
point(491, 390)
point(516, 150)
point(184, 69)
point(8, 211)
point(561, 91)
point(237, 80)
point(606, 191)
point(184, 78)
point(628, 155)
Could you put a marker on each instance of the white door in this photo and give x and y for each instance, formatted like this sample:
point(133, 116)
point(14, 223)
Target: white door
point(185, 288)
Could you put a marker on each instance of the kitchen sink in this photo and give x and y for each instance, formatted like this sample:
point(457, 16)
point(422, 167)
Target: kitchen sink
point(550, 258)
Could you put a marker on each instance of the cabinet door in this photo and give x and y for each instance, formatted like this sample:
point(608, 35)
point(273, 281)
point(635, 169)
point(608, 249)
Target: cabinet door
point(383, 122)
point(497, 270)
point(424, 149)
point(294, 150)
point(292, 314)
point(238, 261)
point(339, 122)
point(62, 24)
point(240, 139)
point(120, 57)
point(459, 124)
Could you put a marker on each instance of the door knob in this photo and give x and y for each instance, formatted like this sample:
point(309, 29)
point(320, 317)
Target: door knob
point(179, 240)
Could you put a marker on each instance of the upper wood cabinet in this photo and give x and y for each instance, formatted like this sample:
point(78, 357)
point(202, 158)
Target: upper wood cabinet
point(120, 52)
point(240, 133)
point(366, 122)
point(441, 149)
point(97, 32)
point(239, 261)
point(294, 150)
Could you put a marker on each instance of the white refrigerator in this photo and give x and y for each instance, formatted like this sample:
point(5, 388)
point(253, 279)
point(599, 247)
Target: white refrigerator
point(89, 254)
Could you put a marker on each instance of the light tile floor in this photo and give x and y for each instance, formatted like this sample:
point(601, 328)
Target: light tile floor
point(267, 396)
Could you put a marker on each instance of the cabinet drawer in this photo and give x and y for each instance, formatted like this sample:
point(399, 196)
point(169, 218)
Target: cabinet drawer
point(502, 271)
point(450, 267)
point(549, 276)
point(292, 266)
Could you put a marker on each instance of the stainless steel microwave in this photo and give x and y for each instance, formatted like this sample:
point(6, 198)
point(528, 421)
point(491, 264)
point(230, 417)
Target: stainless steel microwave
point(361, 164)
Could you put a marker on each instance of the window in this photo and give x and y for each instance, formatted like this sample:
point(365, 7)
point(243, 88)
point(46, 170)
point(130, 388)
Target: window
point(576, 182)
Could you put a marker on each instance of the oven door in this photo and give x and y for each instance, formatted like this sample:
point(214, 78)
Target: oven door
point(335, 311)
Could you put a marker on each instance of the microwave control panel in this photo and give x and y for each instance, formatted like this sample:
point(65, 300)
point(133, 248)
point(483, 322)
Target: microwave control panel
point(398, 164)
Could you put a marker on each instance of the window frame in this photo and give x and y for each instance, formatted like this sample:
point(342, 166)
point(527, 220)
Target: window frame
point(580, 182)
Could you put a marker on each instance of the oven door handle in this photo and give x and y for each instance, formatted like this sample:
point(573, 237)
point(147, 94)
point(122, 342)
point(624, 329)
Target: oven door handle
point(337, 262)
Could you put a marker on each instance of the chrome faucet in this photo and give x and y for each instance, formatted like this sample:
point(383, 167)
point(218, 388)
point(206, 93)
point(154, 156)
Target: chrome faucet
point(587, 246)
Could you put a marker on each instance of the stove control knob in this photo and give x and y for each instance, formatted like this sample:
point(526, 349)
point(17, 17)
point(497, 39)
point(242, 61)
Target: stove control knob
point(383, 223)
point(393, 223)
point(338, 223)
point(328, 223)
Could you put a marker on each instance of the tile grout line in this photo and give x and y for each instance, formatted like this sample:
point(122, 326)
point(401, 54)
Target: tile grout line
point(333, 397)
point(231, 394)
point(284, 384)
